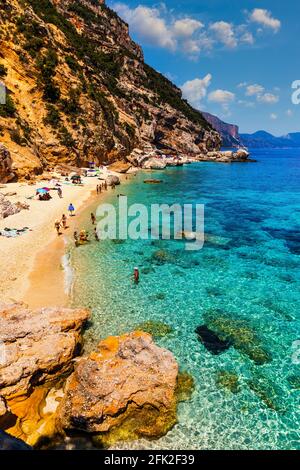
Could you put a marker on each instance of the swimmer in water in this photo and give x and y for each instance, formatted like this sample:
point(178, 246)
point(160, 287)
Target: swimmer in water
point(136, 275)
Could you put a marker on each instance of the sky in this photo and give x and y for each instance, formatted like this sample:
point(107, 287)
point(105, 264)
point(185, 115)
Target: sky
point(236, 59)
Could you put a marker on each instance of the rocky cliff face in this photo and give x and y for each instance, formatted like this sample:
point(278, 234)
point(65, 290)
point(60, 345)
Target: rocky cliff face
point(78, 90)
point(229, 132)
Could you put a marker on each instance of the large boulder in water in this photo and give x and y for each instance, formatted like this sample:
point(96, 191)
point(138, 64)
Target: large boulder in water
point(241, 155)
point(126, 389)
point(36, 345)
point(113, 180)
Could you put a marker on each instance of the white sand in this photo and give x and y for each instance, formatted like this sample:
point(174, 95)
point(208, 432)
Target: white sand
point(18, 255)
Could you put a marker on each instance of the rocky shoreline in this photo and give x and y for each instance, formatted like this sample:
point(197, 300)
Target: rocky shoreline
point(154, 159)
point(126, 389)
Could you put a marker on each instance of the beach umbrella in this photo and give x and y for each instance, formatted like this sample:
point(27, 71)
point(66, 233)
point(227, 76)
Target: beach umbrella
point(42, 190)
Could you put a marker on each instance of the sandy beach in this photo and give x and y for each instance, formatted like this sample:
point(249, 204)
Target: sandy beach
point(33, 261)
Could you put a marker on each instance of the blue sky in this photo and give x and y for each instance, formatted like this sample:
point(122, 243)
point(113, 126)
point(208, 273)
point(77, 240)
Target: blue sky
point(236, 59)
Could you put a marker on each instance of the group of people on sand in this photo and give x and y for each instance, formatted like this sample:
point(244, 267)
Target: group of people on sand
point(102, 186)
point(62, 223)
point(82, 237)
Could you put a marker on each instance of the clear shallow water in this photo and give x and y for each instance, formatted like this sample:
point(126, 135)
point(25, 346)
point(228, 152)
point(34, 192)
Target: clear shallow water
point(250, 271)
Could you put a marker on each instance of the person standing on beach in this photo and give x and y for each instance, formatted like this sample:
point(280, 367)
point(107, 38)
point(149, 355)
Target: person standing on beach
point(97, 189)
point(100, 188)
point(59, 192)
point(105, 185)
point(64, 221)
point(57, 227)
point(71, 209)
point(93, 218)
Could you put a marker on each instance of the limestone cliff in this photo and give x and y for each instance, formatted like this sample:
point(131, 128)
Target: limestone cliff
point(229, 132)
point(78, 90)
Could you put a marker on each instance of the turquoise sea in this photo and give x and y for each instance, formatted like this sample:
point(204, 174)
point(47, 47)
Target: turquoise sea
point(247, 272)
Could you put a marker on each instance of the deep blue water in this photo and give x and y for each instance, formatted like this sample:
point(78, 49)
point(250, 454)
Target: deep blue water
point(248, 273)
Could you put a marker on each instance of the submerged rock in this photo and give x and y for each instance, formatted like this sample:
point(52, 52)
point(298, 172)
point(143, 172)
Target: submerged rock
point(185, 386)
point(158, 296)
point(155, 328)
point(228, 381)
point(124, 390)
point(294, 381)
point(36, 345)
point(153, 181)
point(240, 334)
point(268, 392)
point(211, 341)
point(161, 257)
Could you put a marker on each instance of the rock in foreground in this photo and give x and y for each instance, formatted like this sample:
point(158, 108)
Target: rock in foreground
point(127, 389)
point(36, 345)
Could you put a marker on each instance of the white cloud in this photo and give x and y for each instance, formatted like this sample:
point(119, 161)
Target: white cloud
point(273, 116)
point(161, 26)
point(242, 85)
point(268, 98)
point(148, 24)
point(247, 38)
point(289, 113)
point(247, 104)
point(221, 96)
point(264, 17)
point(224, 33)
point(254, 90)
point(191, 47)
point(195, 90)
point(186, 27)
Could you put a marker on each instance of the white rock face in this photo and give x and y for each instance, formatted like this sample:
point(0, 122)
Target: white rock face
point(154, 163)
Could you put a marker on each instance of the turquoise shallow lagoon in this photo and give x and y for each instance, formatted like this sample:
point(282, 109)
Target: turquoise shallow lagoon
point(249, 270)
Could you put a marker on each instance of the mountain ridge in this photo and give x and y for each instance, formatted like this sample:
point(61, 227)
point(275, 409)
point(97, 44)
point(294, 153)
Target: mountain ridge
point(263, 139)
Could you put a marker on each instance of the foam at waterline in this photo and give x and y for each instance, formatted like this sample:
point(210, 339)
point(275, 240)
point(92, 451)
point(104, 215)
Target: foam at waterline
point(69, 276)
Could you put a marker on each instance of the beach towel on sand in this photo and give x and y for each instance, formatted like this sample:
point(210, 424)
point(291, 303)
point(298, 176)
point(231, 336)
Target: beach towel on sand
point(13, 232)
